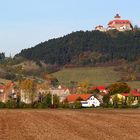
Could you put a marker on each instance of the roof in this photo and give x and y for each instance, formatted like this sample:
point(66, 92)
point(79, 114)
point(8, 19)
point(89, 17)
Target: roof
point(1, 86)
point(74, 97)
point(119, 21)
point(133, 92)
point(100, 26)
point(98, 87)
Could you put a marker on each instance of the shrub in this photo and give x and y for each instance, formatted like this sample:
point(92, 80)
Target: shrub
point(76, 105)
point(64, 105)
point(107, 105)
point(24, 105)
point(11, 104)
point(37, 105)
point(2, 105)
point(106, 99)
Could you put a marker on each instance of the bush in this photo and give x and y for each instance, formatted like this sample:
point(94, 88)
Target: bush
point(11, 104)
point(46, 101)
point(76, 105)
point(63, 105)
point(107, 105)
point(135, 106)
point(2, 105)
point(24, 105)
point(106, 99)
point(37, 105)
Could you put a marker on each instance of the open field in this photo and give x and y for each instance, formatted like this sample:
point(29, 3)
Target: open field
point(90, 124)
point(95, 76)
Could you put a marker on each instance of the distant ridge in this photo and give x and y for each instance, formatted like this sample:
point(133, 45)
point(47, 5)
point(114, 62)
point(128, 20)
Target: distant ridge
point(87, 48)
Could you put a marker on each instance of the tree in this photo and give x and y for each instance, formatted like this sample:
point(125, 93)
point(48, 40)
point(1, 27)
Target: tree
point(118, 88)
point(2, 56)
point(47, 101)
point(106, 99)
point(83, 87)
point(29, 87)
point(87, 48)
point(118, 100)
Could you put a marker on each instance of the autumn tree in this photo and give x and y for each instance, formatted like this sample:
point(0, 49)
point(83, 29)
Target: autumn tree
point(29, 87)
point(83, 87)
point(118, 88)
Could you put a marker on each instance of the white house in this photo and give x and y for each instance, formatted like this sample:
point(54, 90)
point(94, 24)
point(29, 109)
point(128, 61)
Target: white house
point(87, 100)
point(62, 93)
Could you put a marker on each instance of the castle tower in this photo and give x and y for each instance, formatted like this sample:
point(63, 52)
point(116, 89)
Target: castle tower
point(117, 16)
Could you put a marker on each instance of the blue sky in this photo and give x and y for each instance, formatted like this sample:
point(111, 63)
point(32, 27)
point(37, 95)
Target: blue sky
point(25, 23)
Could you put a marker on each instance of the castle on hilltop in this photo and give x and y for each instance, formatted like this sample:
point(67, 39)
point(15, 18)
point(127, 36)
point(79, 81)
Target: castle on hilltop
point(117, 24)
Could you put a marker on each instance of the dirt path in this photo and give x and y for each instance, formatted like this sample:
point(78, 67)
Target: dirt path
point(69, 125)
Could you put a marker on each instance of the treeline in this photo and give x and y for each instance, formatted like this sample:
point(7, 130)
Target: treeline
point(2, 56)
point(87, 48)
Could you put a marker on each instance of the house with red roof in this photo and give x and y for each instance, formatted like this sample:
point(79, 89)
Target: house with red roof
point(124, 97)
point(101, 89)
point(87, 100)
point(120, 24)
point(117, 24)
point(135, 95)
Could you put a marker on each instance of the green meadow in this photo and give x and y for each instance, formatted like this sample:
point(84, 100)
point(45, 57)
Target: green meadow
point(94, 75)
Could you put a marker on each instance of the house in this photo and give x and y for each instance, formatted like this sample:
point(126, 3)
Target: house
point(124, 97)
point(116, 24)
point(135, 95)
point(5, 91)
point(100, 28)
point(1, 89)
point(101, 89)
point(1, 92)
point(62, 93)
point(87, 100)
point(120, 24)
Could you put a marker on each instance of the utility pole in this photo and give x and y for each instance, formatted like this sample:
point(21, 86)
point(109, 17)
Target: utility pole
point(52, 98)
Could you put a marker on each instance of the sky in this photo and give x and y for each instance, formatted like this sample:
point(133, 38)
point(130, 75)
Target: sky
point(25, 23)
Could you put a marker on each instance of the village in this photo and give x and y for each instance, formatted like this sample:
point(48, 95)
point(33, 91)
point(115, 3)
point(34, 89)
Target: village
point(29, 94)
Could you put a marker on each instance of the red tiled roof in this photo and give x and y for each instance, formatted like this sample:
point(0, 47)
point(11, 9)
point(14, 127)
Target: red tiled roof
point(1, 86)
point(99, 88)
point(133, 92)
point(74, 97)
point(119, 22)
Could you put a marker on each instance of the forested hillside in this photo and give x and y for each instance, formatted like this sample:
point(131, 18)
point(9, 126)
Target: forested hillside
point(87, 48)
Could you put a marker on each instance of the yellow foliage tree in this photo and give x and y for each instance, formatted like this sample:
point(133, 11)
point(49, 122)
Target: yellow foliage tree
point(29, 86)
point(83, 87)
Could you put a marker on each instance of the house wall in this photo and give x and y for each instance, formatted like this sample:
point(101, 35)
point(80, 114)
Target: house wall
point(61, 93)
point(122, 27)
point(90, 102)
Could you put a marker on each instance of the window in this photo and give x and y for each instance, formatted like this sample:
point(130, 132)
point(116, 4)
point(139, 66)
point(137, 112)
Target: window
point(84, 102)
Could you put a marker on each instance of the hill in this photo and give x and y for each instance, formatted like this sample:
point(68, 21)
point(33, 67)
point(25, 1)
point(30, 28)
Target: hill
point(87, 48)
point(94, 75)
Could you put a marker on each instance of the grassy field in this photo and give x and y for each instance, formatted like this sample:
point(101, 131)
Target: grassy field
point(95, 76)
point(93, 124)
